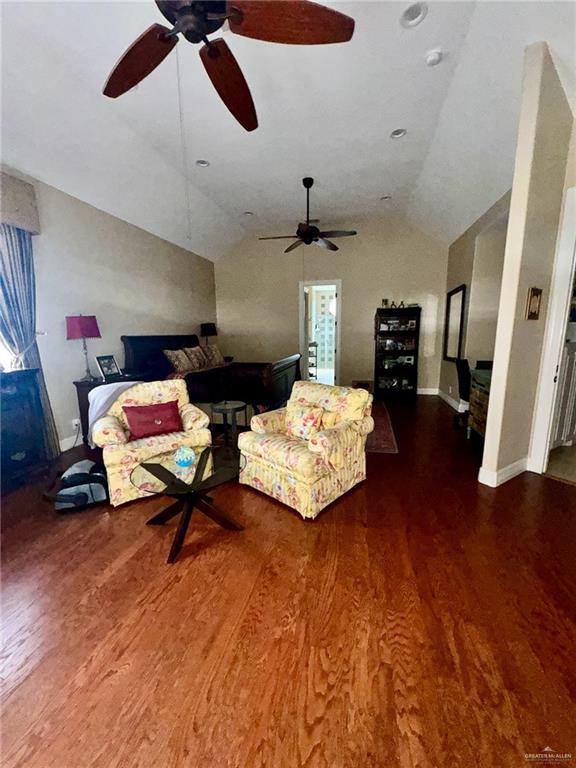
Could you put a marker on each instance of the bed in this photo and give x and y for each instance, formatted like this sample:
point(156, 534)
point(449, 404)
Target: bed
point(264, 386)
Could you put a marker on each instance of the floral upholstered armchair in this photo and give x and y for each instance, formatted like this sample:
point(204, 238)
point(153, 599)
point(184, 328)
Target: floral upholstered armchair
point(311, 452)
point(122, 455)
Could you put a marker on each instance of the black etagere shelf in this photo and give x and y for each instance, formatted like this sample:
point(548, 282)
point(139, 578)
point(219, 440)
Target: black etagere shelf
point(396, 342)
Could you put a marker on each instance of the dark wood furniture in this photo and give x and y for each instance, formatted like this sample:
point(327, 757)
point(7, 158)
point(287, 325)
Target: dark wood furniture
point(189, 487)
point(480, 381)
point(23, 450)
point(396, 343)
point(230, 408)
point(84, 387)
point(264, 386)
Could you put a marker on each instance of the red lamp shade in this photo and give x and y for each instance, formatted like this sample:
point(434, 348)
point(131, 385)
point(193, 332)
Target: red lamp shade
point(82, 327)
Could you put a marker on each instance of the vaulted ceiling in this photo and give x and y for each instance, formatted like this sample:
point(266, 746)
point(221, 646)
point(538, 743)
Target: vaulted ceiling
point(324, 111)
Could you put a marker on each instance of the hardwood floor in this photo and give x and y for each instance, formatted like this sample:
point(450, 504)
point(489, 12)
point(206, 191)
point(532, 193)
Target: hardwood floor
point(421, 621)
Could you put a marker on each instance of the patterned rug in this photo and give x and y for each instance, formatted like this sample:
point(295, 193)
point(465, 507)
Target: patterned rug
point(382, 440)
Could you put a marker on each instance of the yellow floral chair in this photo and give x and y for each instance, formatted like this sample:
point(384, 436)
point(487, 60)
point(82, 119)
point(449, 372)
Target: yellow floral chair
point(121, 456)
point(311, 452)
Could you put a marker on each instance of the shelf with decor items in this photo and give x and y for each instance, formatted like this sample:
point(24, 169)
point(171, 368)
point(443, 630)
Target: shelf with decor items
point(396, 345)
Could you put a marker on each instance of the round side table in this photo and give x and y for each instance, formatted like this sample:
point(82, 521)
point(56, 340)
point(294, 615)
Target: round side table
point(230, 408)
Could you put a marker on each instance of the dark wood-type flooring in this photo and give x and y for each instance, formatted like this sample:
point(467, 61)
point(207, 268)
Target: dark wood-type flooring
point(422, 620)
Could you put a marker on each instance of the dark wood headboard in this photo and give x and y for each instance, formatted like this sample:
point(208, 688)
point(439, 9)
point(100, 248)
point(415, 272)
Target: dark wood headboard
point(144, 353)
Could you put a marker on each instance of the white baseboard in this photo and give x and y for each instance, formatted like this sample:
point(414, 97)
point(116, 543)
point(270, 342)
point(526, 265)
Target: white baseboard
point(427, 391)
point(68, 442)
point(494, 479)
point(457, 405)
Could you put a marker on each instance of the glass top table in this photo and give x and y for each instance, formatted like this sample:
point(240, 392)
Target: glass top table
point(189, 486)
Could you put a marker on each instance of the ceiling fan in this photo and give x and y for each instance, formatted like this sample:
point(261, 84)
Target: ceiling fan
point(306, 234)
point(298, 22)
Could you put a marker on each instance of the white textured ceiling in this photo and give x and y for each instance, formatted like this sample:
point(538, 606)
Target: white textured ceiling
point(325, 111)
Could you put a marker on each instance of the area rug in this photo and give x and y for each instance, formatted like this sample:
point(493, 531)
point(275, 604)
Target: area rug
point(382, 440)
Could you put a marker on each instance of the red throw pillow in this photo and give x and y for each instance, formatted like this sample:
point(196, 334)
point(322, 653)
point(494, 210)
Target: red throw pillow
point(156, 419)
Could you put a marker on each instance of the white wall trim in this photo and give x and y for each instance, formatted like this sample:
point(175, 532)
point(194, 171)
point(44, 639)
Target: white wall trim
point(558, 309)
point(494, 479)
point(427, 391)
point(68, 442)
point(457, 405)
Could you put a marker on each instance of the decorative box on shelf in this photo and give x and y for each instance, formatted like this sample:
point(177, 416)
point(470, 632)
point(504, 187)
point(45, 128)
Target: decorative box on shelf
point(396, 342)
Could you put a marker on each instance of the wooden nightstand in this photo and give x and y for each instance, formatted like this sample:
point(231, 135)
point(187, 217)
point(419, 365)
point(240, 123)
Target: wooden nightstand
point(83, 387)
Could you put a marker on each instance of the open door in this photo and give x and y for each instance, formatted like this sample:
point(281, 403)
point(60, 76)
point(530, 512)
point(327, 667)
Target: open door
point(320, 330)
point(564, 425)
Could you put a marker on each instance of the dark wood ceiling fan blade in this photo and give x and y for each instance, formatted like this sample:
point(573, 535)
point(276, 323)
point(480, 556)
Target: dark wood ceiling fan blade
point(297, 244)
point(227, 78)
point(339, 233)
point(143, 56)
point(279, 237)
point(298, 22)
point(323, 243)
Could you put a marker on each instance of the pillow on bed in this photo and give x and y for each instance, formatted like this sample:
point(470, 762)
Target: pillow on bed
point(197, 358)
point(178, 358)
point(155, 419)
point(213, 355)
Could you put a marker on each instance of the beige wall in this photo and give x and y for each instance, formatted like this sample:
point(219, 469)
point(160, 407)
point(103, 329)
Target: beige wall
point(546, 123)
point(257, 293)
point(91, 263)
point(485, 288)
point(460, 271)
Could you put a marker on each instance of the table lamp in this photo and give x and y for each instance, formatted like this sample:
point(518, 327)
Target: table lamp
point(208, 329)
point(83, 327)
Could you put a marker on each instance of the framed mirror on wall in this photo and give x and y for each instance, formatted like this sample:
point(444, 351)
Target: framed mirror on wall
point(454, 323)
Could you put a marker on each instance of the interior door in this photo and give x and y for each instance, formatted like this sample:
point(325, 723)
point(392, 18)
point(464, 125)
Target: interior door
point(564, 425)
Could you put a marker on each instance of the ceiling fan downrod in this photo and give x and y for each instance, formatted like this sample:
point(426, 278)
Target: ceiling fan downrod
point(308, 182)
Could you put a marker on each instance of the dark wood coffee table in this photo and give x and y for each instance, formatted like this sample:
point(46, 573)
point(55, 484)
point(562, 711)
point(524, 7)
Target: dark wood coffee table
point(190, 487)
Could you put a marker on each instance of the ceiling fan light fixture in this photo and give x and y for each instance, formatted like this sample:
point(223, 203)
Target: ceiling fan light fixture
point(202, 163)
point(414, 15)
point(398, 133)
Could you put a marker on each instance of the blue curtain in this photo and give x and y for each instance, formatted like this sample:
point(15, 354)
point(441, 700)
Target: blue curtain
point(18, 316)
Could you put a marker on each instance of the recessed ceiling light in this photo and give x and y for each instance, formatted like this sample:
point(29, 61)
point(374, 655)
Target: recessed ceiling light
point(414, 15)
point(248, 213)
point(386, 197)
point(433, 58)
point(397, 133)
point(203, 163)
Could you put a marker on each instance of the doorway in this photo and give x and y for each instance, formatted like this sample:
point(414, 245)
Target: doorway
point(553, 445)
point(562, 457)
point(320, 330)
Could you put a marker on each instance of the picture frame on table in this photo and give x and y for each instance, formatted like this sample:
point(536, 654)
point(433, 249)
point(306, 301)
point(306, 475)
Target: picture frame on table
point(108, 366)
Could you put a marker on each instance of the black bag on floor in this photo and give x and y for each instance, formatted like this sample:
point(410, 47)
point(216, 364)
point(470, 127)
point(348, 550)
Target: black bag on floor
point(83, 485)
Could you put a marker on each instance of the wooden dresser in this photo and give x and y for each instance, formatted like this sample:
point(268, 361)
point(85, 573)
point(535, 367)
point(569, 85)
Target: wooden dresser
point(480, 380)
point(23, 451)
